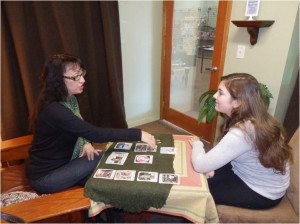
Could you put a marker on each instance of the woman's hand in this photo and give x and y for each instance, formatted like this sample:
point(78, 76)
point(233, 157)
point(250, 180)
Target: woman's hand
point(89, 151)
point(210, 174)
point(194, 139)
point(149, 139)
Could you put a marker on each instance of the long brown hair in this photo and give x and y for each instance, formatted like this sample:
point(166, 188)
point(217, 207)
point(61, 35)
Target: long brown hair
point(268, 135)
point(53, 87)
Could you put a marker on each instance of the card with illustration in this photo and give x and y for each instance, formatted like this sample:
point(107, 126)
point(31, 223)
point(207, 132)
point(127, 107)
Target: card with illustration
point(141, 147)
point(117, 158)
point(125, 175)
point(149, 149)
point(143, 159)
point(147, 176)
point(105, 173)
point(123, 145)
point(168, 150)
point(169, 178)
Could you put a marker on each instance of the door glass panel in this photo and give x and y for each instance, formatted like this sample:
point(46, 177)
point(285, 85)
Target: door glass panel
point(194, 24)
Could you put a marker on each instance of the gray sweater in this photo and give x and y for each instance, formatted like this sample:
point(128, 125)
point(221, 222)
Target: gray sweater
point(237, 148)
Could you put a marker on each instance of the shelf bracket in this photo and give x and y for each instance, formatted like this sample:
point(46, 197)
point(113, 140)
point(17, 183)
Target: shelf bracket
point(253, 27)
point(253, 31)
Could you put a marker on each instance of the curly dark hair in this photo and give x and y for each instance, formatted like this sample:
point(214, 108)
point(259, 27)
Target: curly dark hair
point(52, 83)
point(268, 134)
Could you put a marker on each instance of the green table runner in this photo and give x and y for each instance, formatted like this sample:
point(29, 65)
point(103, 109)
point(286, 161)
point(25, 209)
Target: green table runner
point(133, 196)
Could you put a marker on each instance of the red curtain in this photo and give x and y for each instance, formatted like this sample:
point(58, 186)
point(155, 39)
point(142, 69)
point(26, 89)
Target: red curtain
point(31, 31)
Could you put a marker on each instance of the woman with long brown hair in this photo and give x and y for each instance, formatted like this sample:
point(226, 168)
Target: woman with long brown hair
point(249, 167)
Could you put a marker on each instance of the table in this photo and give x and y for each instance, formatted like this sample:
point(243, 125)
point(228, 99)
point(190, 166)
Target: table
point(190, 199)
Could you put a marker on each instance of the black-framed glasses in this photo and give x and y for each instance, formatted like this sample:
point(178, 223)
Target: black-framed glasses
point(76, 77)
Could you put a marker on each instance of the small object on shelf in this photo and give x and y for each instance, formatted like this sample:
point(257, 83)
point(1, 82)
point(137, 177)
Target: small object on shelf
point(253, 27)
point(252, 8)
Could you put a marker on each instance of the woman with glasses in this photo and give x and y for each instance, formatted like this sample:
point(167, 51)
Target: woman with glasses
point(62, 155)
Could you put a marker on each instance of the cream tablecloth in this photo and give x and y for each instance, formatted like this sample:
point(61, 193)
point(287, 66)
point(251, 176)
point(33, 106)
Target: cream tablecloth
point(190, 199)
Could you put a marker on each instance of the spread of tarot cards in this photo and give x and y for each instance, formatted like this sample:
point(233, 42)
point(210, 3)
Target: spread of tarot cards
point(119, 158)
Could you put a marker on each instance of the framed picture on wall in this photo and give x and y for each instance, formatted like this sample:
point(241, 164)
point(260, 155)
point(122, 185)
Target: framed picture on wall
point(252, 8)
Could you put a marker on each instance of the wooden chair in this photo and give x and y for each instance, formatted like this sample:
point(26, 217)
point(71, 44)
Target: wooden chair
point(63, 207)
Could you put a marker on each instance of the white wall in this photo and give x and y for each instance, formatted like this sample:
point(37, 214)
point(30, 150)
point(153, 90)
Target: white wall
point(267, 59)
point(141, 37)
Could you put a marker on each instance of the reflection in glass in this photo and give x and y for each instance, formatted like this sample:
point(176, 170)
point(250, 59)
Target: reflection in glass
point(194, 25)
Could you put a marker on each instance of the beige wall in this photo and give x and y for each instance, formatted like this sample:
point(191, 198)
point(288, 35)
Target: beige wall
point(274, 60)
point(267, 60)
point(141, 33)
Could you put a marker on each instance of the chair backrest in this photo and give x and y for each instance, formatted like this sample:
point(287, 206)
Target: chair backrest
point(293, 190)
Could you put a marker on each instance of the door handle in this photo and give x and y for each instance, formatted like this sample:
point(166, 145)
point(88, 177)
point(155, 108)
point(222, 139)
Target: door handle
point(212, 69)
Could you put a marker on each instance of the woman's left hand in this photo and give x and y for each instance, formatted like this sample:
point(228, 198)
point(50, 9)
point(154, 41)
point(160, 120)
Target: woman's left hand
point(210, 174)
point(89, 151)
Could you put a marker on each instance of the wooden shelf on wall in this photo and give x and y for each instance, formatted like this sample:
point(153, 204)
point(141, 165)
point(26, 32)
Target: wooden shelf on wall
point(253, 27)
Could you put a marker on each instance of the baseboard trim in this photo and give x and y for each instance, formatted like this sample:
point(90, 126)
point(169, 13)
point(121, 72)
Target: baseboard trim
point(142, 121)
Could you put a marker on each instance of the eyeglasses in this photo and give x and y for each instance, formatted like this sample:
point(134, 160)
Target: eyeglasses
point(76, 77)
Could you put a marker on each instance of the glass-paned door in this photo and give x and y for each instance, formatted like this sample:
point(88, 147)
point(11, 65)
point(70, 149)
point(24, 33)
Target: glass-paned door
point(194, 25)
point(194, 66)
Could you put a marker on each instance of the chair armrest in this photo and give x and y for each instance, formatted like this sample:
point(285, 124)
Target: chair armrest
point(16, 148)
point(50, 205)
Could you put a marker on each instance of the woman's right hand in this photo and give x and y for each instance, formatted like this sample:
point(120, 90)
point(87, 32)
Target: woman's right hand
point(193, 139)
point(89, 151)
point(149, 139)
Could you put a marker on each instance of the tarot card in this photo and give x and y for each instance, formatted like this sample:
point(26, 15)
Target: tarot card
point(123, 145)
point(125, 175)
point(143, 159)
point(141, 147)
point(147, 176)
point(105, 173)
point(168, 150)
point(149, 149)
point(117, 158)
point(169, 178)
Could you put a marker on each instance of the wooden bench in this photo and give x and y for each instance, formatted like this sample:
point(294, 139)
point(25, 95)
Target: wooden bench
point(64, 207)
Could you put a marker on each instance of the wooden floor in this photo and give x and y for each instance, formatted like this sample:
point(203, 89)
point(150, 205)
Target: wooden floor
point(163, 127)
